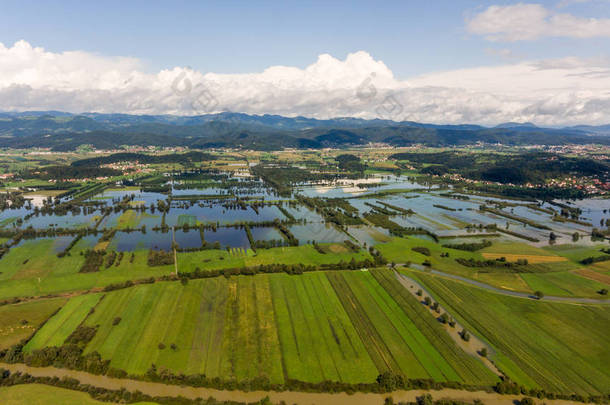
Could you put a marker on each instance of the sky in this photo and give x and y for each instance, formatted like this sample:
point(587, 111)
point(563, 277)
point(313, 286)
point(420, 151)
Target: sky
point(460, 61)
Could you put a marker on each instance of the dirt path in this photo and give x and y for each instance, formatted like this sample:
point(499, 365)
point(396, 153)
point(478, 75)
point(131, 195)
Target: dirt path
point(473, 346)
point(290, 397)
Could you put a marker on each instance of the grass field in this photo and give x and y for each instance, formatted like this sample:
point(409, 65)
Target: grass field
point(304, 254)
point(400, 336)
point(132, 219)
point(35, 259)
point(60, 326)
point(38, 394)
point(338, 326)
point(534, 259)
point(221, 328)
point(190, 220)
point(559, 347)
point(563, 283)
point(19, 321)
point(576, 253)
point(44, 273)
point(318, 340)
point(594, 275)
point(547, 271)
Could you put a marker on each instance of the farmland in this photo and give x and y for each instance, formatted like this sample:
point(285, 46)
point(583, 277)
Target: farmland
point(275, 327)
point(19, 321)
point(557, 347)
point(282, 274)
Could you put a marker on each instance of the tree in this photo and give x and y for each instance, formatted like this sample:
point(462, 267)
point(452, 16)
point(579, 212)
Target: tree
point(444, 318)
point(390, 381)
point(539, 294)
point(425, 399)
point(483, 352)
point(603, 291)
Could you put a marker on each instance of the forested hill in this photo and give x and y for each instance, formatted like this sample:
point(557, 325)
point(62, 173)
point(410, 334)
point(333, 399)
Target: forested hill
point(64, 132)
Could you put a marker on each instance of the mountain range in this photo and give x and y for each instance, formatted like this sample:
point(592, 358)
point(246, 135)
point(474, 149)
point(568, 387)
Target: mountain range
point(64, 131)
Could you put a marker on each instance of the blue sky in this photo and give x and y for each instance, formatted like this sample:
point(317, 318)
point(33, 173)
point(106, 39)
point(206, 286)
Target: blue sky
point(443, 61)
point(411, 37)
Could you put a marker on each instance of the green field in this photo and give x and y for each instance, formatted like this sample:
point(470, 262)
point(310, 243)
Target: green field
point(19, 321)
point(563, 283)
point(185, 219)
point(34, 269)
point(556, 346)
point(318, 340)
point(38, 394)
point(304, 254)
point(400, 335)
point(60, 326)
point(336, 326)
point(132, 219)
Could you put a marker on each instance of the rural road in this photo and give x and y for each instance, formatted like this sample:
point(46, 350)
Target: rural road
point(573, 300)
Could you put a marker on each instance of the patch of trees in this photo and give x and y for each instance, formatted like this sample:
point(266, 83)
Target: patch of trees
point(351, 246)
point(350, 163)
point(81, 335)
point(93, 260)
point(282, 178)
point(335, 210)
point(444, 207)
point(404, 211)
point(61, 173)
point(595, 259)
point(499, 262)
point(160, 257)
point(182, 158)
point(469, 247)
point(422, 250)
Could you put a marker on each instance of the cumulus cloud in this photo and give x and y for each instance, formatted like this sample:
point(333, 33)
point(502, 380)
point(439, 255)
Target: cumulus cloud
point(521, 22)
point(551, 92)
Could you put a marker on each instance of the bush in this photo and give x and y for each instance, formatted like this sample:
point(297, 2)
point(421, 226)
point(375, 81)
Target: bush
point(116, 321)
point(423, 250)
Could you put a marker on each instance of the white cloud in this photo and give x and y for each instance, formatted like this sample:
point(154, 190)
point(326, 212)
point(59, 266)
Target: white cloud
point(551, 92)
point(521, 21)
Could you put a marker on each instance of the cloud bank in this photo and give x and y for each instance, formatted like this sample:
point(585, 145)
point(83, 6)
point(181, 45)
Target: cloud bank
point(521, 22)
point(551, 92)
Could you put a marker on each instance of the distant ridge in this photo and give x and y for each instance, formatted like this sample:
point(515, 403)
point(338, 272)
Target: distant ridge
point(65, 131)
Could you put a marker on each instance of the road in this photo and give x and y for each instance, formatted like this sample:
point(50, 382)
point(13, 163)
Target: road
point(573, 300)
